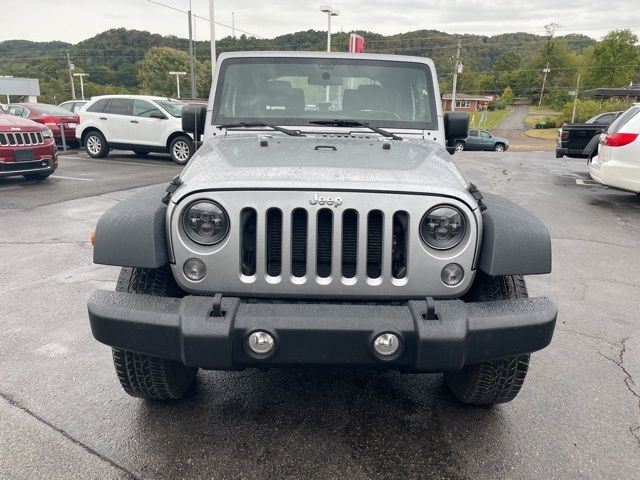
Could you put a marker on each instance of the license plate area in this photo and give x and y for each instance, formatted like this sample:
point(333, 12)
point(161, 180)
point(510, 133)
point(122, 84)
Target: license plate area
point(23, 155)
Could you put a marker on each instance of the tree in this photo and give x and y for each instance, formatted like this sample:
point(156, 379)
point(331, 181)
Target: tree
point(153, 71)
point(614, 61)
point(507, 97)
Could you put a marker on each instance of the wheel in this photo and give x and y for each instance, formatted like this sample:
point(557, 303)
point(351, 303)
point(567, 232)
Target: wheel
point(497, 381)
point(181, 149)
point(559, 155)
point(143, 375)
point(95, 145)
point(140, 153)
point(459, 146)
point(499, 147)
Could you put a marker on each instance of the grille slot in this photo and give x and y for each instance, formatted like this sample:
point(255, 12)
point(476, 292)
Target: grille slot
point(299, 228)
point(400, 244)
point(274, 242)
point(248, 241)
point(324, 248)
point(349, 243)
point(375, 224)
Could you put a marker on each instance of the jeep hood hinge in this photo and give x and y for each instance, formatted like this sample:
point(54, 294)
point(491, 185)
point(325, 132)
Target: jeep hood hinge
point(173, 186)
point(475, 193)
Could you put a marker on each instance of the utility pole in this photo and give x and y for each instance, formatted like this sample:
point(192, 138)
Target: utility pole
point(81, 75)
point(546, 71)
point(212, 29)
point(71, 69)
point(233, 24)
point(456, 70)
point(192, 69)
point(178, 74)
point(575, 100)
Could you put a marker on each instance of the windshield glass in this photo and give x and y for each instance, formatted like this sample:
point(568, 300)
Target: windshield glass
point(173, 107)
point(296, 91)
point(52, 110)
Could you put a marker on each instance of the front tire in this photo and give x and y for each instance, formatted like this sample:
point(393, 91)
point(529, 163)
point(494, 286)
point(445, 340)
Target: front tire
point(497, 381)
point(96, 145)
point(499, 147)
point(459, 146)
point(143, 375)
point(181, 149)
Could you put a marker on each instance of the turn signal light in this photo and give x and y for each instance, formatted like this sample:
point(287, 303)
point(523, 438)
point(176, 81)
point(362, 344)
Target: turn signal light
point(619, 139)
point(93, 238)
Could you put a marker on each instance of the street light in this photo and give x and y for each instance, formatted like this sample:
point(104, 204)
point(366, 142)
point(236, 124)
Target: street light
point(178, 74)
point(81, 75)
point(330, 13)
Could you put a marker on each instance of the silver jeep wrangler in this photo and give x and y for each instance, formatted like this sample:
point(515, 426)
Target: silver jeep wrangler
point(322, 222)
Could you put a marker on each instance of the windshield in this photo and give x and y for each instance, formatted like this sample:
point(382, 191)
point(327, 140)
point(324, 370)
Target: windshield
point(297, 91)
point(173, 107)
point(52, 110)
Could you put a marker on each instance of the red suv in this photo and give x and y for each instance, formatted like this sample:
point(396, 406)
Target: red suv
point(51, 116)
point(26, 148)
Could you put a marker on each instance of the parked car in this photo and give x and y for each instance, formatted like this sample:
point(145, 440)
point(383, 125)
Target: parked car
point(26, 148)
point(580, 140)
point(322, 237)
point(73, 106)
point(617, 164)
point(140, 123)
point(51, 116)
point(482, 140)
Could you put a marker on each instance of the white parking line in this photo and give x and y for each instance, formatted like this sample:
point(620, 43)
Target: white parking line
point(73, 178)
point(85, 159)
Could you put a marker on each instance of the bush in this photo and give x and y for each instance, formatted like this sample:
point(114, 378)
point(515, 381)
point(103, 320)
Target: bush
point(585, 109)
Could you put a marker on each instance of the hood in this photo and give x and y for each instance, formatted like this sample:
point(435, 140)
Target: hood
point(12, 123)
point(336, 162)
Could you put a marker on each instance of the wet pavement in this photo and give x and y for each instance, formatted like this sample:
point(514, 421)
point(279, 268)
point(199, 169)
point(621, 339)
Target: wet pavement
point(63, 414)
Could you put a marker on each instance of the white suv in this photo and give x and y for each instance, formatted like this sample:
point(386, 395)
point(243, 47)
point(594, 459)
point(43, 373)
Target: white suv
point(140, 123)
point(617, 164)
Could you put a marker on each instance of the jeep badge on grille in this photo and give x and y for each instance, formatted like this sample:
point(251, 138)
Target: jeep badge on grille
point(322, 200)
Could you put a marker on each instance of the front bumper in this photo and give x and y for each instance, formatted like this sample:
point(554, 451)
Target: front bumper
point(43, 165)
point(194, 331)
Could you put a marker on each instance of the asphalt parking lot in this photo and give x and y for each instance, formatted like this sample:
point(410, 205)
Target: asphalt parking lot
point(63, 414)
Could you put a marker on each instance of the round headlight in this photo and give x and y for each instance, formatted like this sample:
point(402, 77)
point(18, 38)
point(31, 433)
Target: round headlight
point(443, 227)
point(205, 222)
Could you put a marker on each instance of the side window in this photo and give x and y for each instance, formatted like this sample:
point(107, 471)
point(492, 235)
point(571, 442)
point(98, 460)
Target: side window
point(605, 119)
point(120, 106)
point(473, 133)
point(623, 119)
point(142, 108)
point(25, 113)
point(98, 106)
point(485, 135)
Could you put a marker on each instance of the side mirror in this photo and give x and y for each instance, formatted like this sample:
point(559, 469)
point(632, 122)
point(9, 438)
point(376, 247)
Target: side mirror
point(157, 114)
point(193, 119)
point(456, 126)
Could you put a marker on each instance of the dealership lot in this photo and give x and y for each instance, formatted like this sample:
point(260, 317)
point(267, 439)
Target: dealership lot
point(65, 416)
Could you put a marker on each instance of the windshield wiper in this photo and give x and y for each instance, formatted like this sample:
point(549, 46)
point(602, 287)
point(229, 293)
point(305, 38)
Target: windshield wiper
point(293, 133)
point(356, 123)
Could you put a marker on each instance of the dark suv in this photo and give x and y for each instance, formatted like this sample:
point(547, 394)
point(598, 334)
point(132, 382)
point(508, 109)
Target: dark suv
point(482, 140)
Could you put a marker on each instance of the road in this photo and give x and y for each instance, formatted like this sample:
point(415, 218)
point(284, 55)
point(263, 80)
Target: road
point(64, 415)
point(513, 129)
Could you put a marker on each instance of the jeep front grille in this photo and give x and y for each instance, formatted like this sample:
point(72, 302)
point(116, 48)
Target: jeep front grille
point(344, 243)
point(20, 139)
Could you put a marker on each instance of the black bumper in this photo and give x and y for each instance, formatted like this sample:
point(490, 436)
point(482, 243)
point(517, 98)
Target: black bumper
point(321, 333)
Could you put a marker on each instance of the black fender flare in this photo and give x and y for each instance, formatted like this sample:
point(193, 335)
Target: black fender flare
point(592, 146)
point(514, 241)
point(132, 232)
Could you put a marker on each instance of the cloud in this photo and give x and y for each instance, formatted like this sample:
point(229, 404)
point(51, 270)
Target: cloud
point(75, 20)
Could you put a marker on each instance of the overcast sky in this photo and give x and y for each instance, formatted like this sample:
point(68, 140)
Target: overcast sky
point(76, 20)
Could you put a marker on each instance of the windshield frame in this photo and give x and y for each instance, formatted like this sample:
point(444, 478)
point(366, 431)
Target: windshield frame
point(163, 104)
point(217, 119)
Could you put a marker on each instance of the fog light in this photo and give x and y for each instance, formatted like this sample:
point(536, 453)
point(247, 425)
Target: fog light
point(261, 342)
point(195, 269)
point(452, 274)
point(386, 344)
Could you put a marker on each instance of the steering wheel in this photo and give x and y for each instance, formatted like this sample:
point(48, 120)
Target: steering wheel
point(371, 113)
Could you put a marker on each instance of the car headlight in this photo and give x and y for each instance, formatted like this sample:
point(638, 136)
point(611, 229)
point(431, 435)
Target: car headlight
point(47, 133)
point(205, 222)
point(443, 227)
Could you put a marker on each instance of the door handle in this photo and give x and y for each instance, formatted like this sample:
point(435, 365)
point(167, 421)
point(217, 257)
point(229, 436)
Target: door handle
point(103, 118)
point(134, 121)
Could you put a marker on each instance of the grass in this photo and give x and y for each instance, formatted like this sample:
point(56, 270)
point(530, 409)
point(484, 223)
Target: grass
point(543, 134)
point(538, 115)
point(545, 111)
point(491, 119)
